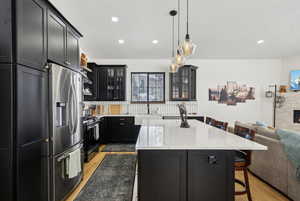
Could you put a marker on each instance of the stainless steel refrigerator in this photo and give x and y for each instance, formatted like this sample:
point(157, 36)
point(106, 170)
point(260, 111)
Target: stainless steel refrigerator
point(65, 88)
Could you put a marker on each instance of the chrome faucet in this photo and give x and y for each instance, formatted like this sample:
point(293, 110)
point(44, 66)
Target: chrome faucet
point(148, 107)
point(183, 115)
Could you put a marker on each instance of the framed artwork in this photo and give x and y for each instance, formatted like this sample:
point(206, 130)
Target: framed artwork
point(231, 93)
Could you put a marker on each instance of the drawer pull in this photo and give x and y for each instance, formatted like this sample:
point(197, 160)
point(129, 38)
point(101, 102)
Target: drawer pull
point(212, 160)
point(122, 124)
point(122, 119)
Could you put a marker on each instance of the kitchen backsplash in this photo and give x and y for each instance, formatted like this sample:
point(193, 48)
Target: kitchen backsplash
point(164, 109)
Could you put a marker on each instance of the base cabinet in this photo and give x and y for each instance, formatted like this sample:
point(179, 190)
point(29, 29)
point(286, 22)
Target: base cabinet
point(32, 172)
point(210, 176)
point(121, 130)
point(6, 139)
point(162, 175)
point(177, 175)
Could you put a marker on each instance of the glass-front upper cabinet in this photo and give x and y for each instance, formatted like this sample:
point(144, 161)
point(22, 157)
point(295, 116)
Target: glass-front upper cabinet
point(108, 82)
point(183, 84)
point(115, 84)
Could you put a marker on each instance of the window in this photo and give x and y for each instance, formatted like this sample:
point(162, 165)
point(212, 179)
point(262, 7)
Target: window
point(147, 87)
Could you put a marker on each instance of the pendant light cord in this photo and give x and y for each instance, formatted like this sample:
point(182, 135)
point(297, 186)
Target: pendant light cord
point(173, 36)
point(187, 17)
point(179, 11)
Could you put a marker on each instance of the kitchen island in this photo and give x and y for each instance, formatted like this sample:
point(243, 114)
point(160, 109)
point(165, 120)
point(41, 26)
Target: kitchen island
point(187, 164)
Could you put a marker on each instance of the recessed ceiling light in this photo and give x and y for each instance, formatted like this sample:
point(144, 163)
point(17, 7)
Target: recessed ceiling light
point(114, 19)
point(155, 41)
point(260, 42)
point(121, 41)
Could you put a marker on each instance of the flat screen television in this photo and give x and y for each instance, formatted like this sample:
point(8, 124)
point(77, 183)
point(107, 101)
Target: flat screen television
point(295, 80)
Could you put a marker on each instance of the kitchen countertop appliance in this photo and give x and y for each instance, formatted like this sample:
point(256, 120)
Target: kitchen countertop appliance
point(66, 148)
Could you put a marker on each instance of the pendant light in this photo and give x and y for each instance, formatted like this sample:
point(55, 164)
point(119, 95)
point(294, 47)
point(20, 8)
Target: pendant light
point(187, 48)
point(179, 58)
point(173, 66)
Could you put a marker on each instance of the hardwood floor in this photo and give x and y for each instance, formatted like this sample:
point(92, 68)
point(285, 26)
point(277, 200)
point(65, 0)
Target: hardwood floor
point(89, 169)
point(260, 191)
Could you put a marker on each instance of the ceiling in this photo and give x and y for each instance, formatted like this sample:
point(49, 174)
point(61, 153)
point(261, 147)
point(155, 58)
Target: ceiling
point(222, 29)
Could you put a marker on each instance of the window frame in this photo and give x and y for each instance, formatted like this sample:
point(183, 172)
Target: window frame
point(164, 88)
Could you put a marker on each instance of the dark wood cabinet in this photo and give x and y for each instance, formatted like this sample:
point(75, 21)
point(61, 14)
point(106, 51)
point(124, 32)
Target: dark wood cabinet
point(6, 31)
point(6, 175)
point(32, 134)
point(100, 86)
point(112, 83)
point(63, 42)
point(210, 175)
point(32, 104)
point(40, 33)
point(6, 105)
point(72, 49)
point(183, 84)
point(109, 83)
point(56, 39)
point(6, 139)
point(32, 33)
point(32, 169)
point(185, 175)
point(121, 130)
point(24, 146)
point(24, 41)
point(162, 175)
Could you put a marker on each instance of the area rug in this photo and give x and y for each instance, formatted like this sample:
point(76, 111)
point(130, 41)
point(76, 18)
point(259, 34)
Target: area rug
point(112, 181)
point(119, 148)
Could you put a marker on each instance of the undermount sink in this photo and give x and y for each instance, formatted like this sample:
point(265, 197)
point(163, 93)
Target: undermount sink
point(140, 117)
point(149, 115)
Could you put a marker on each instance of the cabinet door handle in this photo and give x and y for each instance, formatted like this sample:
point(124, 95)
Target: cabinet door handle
point(68, 63)
point(46, 66)
point(212, 160)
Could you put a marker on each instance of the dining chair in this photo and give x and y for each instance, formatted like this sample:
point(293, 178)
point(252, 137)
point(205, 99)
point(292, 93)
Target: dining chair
point(243, 160)
point(209, 120)
point(220, 124)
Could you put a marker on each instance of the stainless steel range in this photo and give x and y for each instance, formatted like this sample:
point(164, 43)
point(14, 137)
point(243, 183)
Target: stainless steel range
point(92, 136)
point(65, 87)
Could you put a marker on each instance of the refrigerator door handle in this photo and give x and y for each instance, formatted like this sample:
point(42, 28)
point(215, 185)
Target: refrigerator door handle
point(70, 108)
point(75, 103)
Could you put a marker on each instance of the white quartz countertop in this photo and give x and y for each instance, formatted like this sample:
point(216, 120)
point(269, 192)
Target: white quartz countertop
point(167, 134)
point(138, 118)
point(144, 115)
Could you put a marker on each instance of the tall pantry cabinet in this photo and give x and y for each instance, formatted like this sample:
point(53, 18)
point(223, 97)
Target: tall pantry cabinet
point(24, 55)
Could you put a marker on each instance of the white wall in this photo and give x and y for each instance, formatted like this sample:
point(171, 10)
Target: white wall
point(256, 73)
